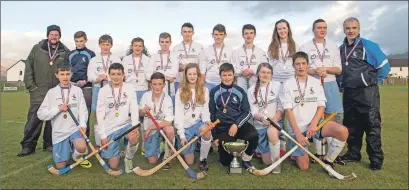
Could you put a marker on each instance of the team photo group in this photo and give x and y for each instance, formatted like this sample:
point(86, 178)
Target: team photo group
point(184, 101)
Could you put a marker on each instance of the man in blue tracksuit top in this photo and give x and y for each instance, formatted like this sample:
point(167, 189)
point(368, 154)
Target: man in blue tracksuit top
point(364, 65)
point(229, 103)
point(79, 60)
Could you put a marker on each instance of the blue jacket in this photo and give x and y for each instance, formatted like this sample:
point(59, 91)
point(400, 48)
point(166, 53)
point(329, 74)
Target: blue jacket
point(367, 65)
point(238, 107)
point(79, 60)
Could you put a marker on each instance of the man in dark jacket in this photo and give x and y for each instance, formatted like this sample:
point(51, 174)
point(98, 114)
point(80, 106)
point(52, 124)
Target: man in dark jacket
point(39, 77)
point(364, 65)
point(228, 103)
point(79, 60)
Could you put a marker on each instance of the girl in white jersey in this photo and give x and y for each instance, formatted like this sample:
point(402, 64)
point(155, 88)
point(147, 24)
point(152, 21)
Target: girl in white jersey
point(280, 50)
point(303, 100)
point(191, 114)
point(264, 103)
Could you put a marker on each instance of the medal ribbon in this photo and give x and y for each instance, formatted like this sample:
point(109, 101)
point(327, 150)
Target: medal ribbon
point(139, 66)
point(266, 96)
point(299, 89)
point(318, 51)
point(228, 98)
point(184, 48)
point(218, 58)
point(350, 53)
point(154, 104)
point(116, 104)
point(251, 57)
point(161, 61)
point(65, 101)
point(49, 51)
point(105, 64)
point(283, 57)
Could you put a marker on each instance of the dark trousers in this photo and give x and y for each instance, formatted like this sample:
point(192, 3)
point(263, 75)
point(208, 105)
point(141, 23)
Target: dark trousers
point(32, 129)
point(247, 132)
point(362, 114)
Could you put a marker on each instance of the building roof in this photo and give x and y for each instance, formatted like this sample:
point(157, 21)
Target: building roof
point(399, 62)
point(24, 61)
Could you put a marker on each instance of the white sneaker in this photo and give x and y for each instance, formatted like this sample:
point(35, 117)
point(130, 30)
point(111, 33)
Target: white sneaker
point(277, 170)
point(128, 165)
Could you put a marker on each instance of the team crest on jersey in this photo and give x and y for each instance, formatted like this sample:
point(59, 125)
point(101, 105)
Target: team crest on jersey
point(253, 57)
point(157, 68)
point(193, 50)
point(312, 90)
point(224, 55)
point(129, 70)
point(354, 54)
point(98, 68)
point(260, 104)
point(180, 56)
point(241, 63)
point(212, 61)
point(234, 100)
point(111, 105)
point(326, 50)
point(187, 106)
point(125, 95)
point(84, 60)
point(74, 97)
point(297, 100)
point(272, 93)
point(313, 56)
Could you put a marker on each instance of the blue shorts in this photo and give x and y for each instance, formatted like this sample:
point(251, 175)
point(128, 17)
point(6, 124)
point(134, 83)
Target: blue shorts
point(113, 149)
point(62, 150)
point(210, 86)
point(333, 97)
point(299, 151)
point(151, 145)
point(95, 92)
point(189, 134)
point(139, 95)
point(262, 146)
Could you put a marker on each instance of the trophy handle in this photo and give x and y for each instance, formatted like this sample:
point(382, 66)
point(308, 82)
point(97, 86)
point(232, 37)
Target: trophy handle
point(225, 147)
point(247, 144)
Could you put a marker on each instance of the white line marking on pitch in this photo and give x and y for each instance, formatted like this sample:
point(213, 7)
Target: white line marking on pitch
point(25, 168)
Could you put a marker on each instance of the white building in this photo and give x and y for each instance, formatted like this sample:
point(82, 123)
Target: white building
point(399, 68)
point(15, 73)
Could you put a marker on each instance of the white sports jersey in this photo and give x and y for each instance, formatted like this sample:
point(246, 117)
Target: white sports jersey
point(240, 55)
point(314, 97)
point(185, 117)
point(331, 57)
point(62, 124)
point(162, 110)
point(168, 66)
point(133, 65)
point(111, 119)
point(209, 65)
point(283, 70)
point(99, 65)
point(188, 55)
point(273, 102)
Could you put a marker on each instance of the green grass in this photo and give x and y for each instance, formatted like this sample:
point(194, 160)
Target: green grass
point(394, 105)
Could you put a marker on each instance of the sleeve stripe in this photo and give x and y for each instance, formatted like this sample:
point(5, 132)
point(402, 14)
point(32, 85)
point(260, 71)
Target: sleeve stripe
point(245, 119)
point(384, 62)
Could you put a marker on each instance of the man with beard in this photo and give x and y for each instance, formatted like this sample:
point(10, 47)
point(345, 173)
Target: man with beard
point(39, 77)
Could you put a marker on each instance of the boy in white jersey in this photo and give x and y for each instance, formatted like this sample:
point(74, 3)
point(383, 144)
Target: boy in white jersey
point(280, 50)
point(117, 111)
point(303, 100)
point(191, 114)
point(187, 51)
point(325, 64)
point(213, 56)
point(165, 62)
point(97, 73)
point(247, 58)
point(159, 104)
point(264, 103)
point(66, 137)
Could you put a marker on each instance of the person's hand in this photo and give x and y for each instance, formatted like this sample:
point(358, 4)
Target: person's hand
point(245, 73)
point(81, 83)
point(183, 141)
point(146, 109)
point(216, 142)
point(63, 107)
point(312, 129)
point(104, 141)
point(83, 130)
point(146, 133)
point(101, 77)
point(302, 140)
point(322, 71)
point(233, 130)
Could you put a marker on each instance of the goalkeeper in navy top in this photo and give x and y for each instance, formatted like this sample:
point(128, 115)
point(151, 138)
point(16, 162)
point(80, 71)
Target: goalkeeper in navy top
point(229, 103)
point(364, 65)
point(79, 60)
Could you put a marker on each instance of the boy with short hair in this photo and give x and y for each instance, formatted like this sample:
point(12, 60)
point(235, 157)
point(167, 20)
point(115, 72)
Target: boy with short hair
point(97, 72)
point(228, 102)
point(66, 136)
point(79, 60)
point(159, 104)
point(117, 111)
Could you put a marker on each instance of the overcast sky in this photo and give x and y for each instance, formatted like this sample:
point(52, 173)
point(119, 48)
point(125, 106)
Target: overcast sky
point(23, 24)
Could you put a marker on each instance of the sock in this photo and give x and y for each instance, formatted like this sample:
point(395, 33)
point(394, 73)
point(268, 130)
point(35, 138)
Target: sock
point(76, 155)
point(204, 149)
point(246, 157)
point(96, 136)
point(282, 141)
point(319, 148)
point(130, 151)
point(274, 150)
point(167, 149)
point(328, 139)
point(335, 147)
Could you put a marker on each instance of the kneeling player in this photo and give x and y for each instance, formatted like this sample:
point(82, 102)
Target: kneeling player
point(191, 112)
point(117, 111)
point(65, 132)
point(159, 104)
point(303, 100)
point(264, 103)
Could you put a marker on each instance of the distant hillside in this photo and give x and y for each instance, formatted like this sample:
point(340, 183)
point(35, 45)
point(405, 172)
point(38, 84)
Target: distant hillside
point(399, 56)
point(3, 73)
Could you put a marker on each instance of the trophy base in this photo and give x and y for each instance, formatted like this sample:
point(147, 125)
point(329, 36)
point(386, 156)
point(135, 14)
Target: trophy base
point(234, 170)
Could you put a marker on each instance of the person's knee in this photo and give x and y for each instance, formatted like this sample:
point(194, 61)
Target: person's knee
point(343, 131)
point(169, 131)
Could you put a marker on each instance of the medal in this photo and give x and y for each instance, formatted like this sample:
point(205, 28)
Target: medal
point(117, 102)
point(105, 64)
point(218, 58)
point(264, 101)
point(193, 103)
point(65, 116)
point(139, 67)
point(318, 51)
point(193, 115)
point(160, 105)
point(161, 61)
point(350, 53)
point(228, 98)
point(49, 52)
point(137, 80)
point(284, 57)
point(65, 101)
point(299, 90)
point(184, 49)
point(251, 57)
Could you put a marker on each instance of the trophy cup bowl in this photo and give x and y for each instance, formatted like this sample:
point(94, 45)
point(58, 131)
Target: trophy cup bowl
point(235, 148)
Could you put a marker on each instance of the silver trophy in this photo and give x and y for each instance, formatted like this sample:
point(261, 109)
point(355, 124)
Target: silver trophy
point(235, 148)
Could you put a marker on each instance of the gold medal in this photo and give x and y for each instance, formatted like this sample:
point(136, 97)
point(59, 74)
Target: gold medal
point(224, 110)
point(51, 62)
point(302, 104)
point(65, 116)
point(137, 80)
point(116, 114)
point(193, 115)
